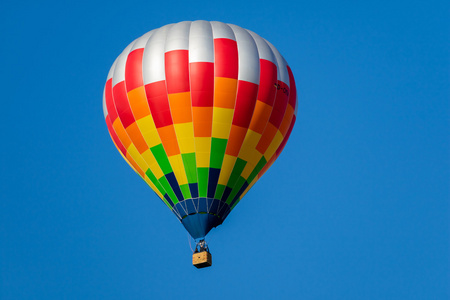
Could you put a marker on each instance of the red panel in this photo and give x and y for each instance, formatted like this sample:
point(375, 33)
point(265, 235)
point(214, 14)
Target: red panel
point(110, 107)
point(159, 103)
point(202, 84)
point(115, 137)
point(226, 58)
point(133, 70)
point(122, 105)
point(267, 82)
point(245, 103)
point(281, 101)
point(293, 89)
point(177, 71)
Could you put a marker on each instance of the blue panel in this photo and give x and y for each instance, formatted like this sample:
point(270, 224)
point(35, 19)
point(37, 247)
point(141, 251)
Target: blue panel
point(195, 204)
point(193, 187)
point(198, 225)
point(202, 205)
point(226, 193)
point(190, 206)
point(212, 181)
point(226, 213)
point(168, 199)
point(214, 207)
point(180, 209)
point(209, 202)
point(174, 185)
point(223, 208)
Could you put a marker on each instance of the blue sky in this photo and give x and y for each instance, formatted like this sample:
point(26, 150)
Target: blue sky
point(356, 207)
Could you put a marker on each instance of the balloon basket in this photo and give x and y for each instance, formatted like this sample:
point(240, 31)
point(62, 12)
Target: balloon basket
point(202, 259)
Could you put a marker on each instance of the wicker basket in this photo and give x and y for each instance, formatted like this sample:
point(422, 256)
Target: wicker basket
point(202, 259)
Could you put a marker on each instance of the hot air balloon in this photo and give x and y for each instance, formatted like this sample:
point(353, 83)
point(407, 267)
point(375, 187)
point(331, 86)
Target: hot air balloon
point(200, 110)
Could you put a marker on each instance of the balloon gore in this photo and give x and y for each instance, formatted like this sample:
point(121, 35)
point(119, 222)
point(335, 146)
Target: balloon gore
point(200, 110)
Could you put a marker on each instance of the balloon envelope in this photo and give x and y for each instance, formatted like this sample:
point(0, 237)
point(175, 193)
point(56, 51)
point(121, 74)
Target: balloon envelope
point(200, 110)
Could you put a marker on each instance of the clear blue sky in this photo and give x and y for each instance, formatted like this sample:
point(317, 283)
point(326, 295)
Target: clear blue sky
point(356, 207)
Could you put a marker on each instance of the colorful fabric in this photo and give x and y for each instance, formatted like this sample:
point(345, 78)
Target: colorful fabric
point(200, 110)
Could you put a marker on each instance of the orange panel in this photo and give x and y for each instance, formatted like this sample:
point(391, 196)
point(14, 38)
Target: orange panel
point(266, 138)
point(287, 119)
point(260, 117)
point(138, 103)
point(169, 140)
point(180, 107)
point(121, 133)
point(202, 120)
point(225, 92)
point(136, 137)
point(237, 135)
point(135, 166)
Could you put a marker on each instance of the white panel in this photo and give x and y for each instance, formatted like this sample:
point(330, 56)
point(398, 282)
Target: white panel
point(142, 41)
point(111, 71)
point(264, 50)
point(283, 74)
point(119, 70)
point(248, 55)
point(105, 111)
point(178, 37)
point(153, 58)
point(201, 44)
point(222, 31)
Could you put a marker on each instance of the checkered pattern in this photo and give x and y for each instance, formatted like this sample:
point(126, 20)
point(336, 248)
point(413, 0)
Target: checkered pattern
point(200, 110)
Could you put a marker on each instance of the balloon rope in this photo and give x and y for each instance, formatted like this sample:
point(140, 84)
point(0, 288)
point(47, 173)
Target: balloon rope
point(189, 238)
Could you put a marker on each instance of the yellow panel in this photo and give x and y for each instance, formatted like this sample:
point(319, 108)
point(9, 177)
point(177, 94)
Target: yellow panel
point(249, 167)
point(223, 115)
point(185, 137)
point(276, 142)
point(148, 130)
point(134, 153)
point(222, 120)
point(203, 159)
point(152, 163)
point(227, 167)
point(248, 150)
point(178, 168)
point(221, 130)
point(203, 151)
point(202, 144)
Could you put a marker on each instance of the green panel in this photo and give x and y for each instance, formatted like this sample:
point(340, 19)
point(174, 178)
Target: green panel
point(236, 189)
point(237, 170)
point(218, 147)
point(219, 191)
point(186, 191)
point(190, 166)
point(155, 181)
point(203, 181)
point(161, 158)
point(168, 189)
point(262, 162)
